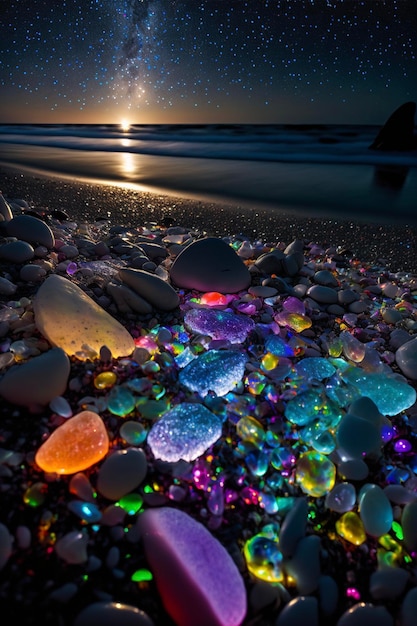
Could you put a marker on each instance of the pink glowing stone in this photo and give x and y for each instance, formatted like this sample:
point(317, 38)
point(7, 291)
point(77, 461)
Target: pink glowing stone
point(196, 577)
point(76, 445)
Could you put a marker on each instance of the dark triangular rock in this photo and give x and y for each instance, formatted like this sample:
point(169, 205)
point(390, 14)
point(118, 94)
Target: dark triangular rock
point(398, 131)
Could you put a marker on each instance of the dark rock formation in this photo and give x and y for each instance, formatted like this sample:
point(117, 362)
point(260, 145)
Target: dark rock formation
point(398, 131)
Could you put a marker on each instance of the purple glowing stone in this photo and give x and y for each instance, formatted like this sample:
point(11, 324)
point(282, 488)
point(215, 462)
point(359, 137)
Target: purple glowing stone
point(219, 324)
point(197, 579)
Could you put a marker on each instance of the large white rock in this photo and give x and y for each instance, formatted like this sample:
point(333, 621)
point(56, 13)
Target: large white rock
point(70, 319)
point(210, 264)
point(38, 380)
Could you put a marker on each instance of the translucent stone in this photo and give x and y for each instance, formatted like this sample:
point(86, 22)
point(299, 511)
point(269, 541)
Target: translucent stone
point(342, 498)
point(293, 320)
point(105, 380)
point(310, 405)
point(219, 324)
point(315, 474)
point(263, 558)
point(315, 367)
point(390, 393)
point(77, 444)
point(351, 528)
point(276, 345)
point(216, 370)
point(133, 432)
point(294, 305)
point(70, 319)
point(353, 349)
point(87, 511)
point(35, 494)
point(255, 383)
point(185, 432)
point(324, 443)
point(213, 298)
point(60, 406)
point(249, 429)
point(72, 547)
point(121, 401)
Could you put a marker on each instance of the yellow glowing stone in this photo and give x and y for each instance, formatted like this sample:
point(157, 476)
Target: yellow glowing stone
point(71, 320)
point(74, 446)
point(351, 528)
point(105, 380)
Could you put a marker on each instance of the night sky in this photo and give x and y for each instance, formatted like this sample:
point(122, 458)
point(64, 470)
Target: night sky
point(191, 61)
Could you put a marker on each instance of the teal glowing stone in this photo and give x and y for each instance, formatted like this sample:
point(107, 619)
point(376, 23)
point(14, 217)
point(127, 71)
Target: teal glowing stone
point(185, 432)
point(390, 394)
point(216, 370)
point(219, 324)
point(315, 367)
point(311, 405)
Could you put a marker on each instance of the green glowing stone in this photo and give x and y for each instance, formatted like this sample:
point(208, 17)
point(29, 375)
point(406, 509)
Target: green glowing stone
point(315, 473)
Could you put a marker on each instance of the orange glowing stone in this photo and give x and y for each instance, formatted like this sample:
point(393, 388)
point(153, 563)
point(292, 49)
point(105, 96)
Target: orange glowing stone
point(213, 298)
point(74, 446)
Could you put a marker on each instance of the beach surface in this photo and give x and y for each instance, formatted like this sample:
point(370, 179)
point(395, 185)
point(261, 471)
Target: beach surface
point(206, 409)
point(395, 245)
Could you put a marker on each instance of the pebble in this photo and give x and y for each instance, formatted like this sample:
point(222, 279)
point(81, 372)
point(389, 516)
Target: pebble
point(300, 610)
point(76, 445)
point(72, 547)
point(388, 583)
point(32, 230)
point(375, 510)
point(184, 432)
point(406, 358)
point(210, 264)
point(204, 573)
point(357, 437)
point(112, 613)
point(215, 370)
point(409, 525)
point(16, 252)
point(121, 473)
point(304, 566)
point(32, 273)
point(6, 544)
point(70, 319)
point(293, 527)
point(219, 324)
point(366, 614)
point(321, 294)
point(409, 608)
point(24, 384)
point(151, 288)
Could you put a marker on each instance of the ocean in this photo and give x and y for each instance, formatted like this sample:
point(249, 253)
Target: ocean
point(311, 170)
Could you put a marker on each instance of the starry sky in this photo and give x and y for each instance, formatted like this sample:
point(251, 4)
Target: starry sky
point(211, 61)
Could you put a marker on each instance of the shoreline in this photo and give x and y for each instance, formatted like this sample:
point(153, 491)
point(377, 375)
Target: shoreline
point(392, 245)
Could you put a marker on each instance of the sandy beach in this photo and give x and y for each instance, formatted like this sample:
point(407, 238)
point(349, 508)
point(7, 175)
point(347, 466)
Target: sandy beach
point(392, 245)
point(310, 347)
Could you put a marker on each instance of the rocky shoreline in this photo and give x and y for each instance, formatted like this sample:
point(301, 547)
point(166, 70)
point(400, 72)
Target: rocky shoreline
point(257, 403)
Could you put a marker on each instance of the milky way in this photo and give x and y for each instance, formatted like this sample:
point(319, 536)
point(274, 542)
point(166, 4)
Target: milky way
point(188, 60)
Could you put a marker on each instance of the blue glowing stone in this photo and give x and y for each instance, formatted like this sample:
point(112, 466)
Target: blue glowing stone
point(216, 370)
point(184, 432)
point(219, 324)
point(311, 405)
point(276, 345)
point(390, 394)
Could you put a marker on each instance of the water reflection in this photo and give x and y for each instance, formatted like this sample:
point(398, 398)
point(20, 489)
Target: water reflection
point(391, 176)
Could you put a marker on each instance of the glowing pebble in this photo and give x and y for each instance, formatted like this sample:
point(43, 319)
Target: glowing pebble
point(315, 474)
point(315, 367)
point(216, 370)
point(213, 298)
point(276, 345)
point(351, 528)
point(219, 324)
point(71, 320)
point(104, 380)
point(352, 347)
point(188, 562)
point(390, 394)
point(74, 446)
point(184, 432)
point(263, 558)
point(293, 320)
